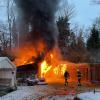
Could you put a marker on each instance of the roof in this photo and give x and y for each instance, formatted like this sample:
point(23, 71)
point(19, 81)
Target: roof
point(6, 63)
point(27, 67)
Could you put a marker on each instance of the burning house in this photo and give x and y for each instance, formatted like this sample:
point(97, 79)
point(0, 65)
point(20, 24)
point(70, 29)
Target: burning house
point(37, 52)
point(41, 34)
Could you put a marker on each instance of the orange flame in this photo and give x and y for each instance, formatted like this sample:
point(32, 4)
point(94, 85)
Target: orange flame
point(44, 68)
point(26, 54)
point(52, 67)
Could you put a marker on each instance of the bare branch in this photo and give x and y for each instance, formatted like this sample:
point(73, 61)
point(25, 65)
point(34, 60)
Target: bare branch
point(67, 10)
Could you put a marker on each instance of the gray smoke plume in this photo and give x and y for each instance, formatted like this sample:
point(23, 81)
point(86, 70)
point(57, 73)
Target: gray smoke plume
point(40, 14)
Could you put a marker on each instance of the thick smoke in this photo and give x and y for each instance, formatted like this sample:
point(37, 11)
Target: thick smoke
point(40, 14)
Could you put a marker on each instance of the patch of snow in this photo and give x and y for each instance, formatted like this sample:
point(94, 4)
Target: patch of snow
point(36, 92)
point(89, 96)
point(23, 93)
point(59, 98)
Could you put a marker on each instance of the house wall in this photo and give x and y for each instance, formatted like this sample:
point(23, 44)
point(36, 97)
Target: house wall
point(90, 72)
point(95, 73)
point(72, 69)
point(7, 77)
point(83, 69)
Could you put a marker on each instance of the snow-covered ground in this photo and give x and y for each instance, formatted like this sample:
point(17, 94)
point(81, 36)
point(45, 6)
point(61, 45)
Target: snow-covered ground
point(44, 92)
point(90, 96)
point(48, 92)
point(57, 97)
point(24, 93)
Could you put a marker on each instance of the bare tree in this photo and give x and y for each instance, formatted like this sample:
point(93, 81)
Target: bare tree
point(66, 35)
point(77, 49)
point(11, 22)
point(4, 37)
point(9, 6)
point(66, 10)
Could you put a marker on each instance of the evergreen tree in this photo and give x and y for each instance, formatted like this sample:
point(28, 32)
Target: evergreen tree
point(93, 41)
point(72, 47)
point(65, 35)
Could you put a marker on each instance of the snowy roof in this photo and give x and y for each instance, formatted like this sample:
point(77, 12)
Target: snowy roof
point(6, 63)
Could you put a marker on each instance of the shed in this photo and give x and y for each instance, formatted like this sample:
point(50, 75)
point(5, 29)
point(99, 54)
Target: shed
point(7, 72)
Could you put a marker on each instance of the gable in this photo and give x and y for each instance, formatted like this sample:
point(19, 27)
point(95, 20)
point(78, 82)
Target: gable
point(6, 63)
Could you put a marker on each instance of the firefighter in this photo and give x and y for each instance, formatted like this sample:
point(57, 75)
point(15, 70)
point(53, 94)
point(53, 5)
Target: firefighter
point(66, 76)
point(79, 76)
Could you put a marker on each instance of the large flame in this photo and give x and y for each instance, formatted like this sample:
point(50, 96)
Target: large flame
point(52, 68)
point(27, 53)
point(45, 68)
point(56, 70)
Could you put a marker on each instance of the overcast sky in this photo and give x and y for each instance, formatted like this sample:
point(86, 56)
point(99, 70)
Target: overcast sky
point(3, 11)
point(85, 12)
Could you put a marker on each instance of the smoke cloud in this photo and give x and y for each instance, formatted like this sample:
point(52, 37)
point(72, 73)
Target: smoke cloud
point(40, 15)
